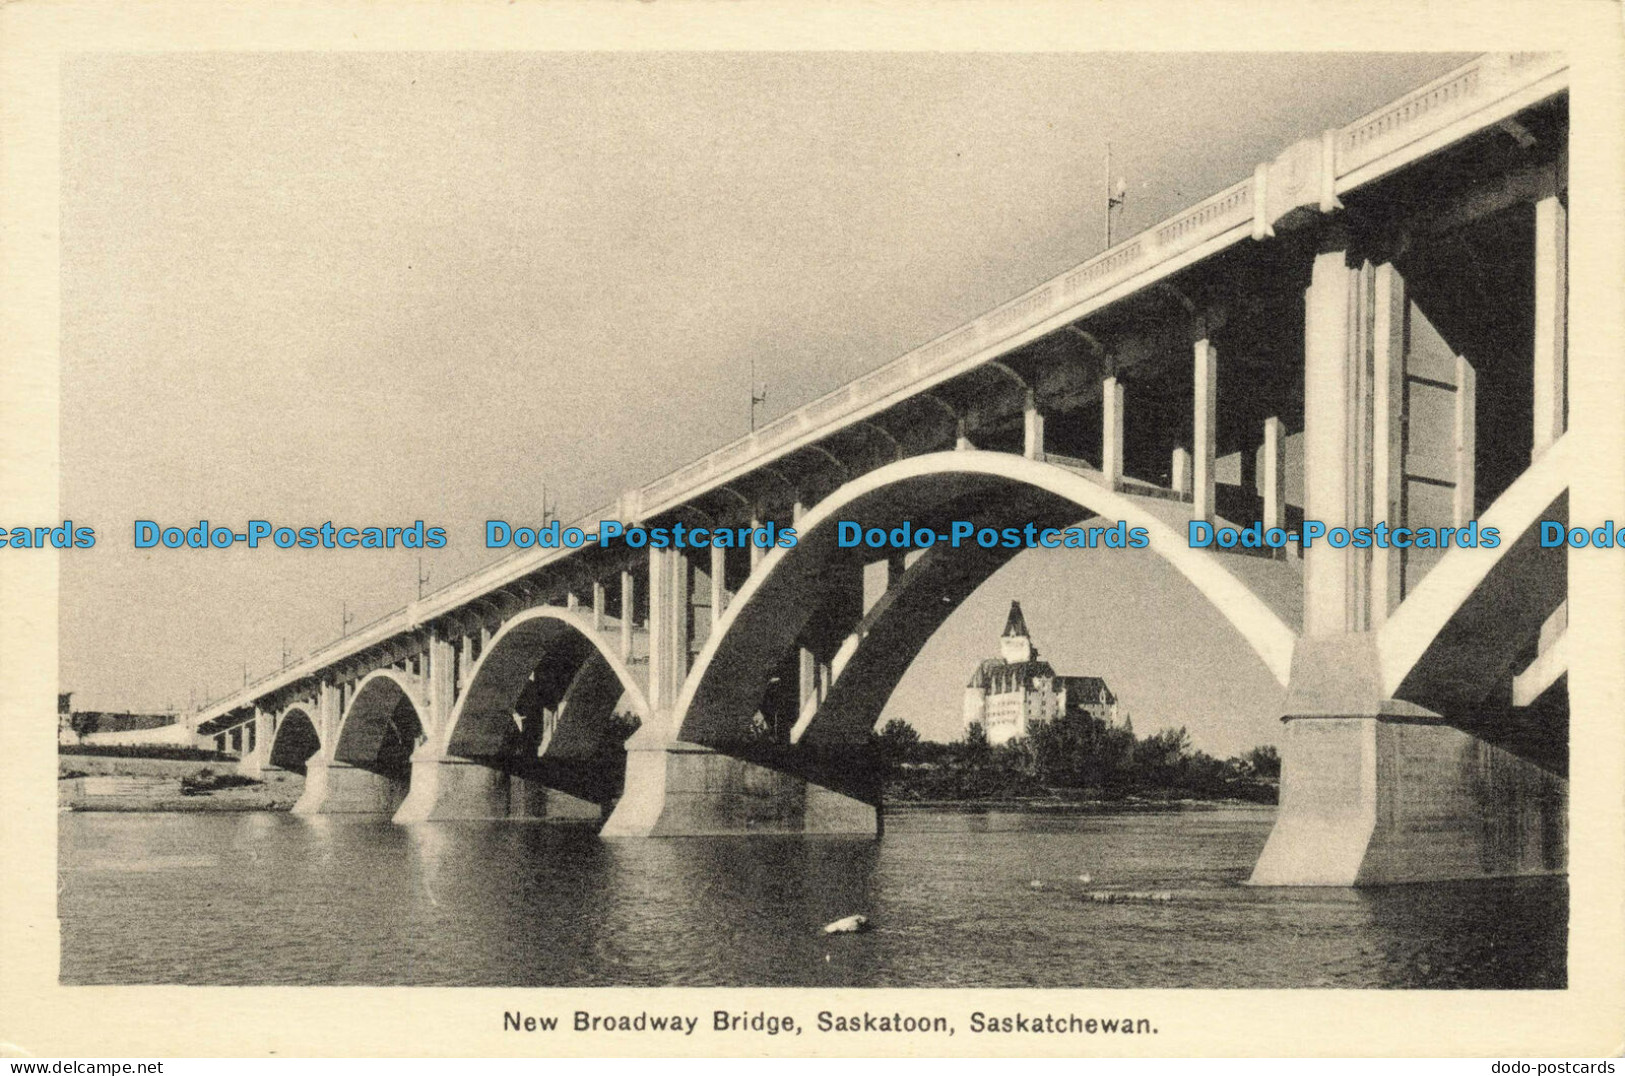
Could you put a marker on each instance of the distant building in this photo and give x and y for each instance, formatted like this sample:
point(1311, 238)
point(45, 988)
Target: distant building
point(1008, 694)
point(65, 732)
point(105, 727)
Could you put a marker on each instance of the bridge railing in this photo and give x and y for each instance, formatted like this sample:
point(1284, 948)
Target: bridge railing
point(1416, 115)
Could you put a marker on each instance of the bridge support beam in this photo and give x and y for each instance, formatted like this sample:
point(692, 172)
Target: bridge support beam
point(1375, 792)
point(1179, 472)
point(719, 584)
point(684, 790)
point(1551, 322)
point(1204, 436)
point(1032, 429)
point(255, 762)
point(629, 596)
point(1111, 433)
point(333, 787)
point(1274, 477)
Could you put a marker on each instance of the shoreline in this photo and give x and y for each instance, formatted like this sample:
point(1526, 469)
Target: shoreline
point(92, 783)
point(98, 784)
point(1041, 806)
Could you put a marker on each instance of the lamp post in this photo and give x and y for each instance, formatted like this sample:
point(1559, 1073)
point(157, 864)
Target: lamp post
point(1116, 194)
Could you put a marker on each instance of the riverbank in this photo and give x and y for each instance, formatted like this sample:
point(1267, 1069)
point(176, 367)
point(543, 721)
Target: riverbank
point(1084, 806)
point(96, 783)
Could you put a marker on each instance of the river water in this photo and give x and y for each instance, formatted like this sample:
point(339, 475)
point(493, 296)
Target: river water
point(268, 898)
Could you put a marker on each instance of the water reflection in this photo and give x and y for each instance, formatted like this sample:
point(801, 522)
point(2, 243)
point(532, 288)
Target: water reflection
point(270, 898)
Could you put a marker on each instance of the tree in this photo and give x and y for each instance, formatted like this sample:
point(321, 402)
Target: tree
point(976, 745)
point(1079, 750)
point(897, 741)
point(1263, 762)
point(1161, 759)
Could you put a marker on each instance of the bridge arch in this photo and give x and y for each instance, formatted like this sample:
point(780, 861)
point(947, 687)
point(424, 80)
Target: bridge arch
point(735, 668)
point(297, 738)
point(382, 725)
point(544, 659)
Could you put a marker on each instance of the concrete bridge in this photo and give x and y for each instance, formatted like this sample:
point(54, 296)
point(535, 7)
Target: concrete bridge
point(1328, 338)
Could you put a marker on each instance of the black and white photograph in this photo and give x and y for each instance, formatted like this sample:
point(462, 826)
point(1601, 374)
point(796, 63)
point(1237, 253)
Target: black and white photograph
point(880, 519)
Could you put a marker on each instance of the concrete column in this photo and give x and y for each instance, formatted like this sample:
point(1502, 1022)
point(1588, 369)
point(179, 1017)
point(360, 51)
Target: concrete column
point(719, 584)
point(327, 715)
point(1179, 472)
point(1551, 322)
point(1380, 800)
point(690, 790)
point(629, 607)
point(756, 552)
point(1274, 473)
point(442, 687)
point(571, 601)
point(1376, 792)
point(1032, 444)
point(691, 620)
point(444, 787)
point(962, 442)
point(1204, 436)
point(334, 787)
point(1466, 440)
point(600, 600)
point(807, 676)
point(1111, 432)
point(1247, 465)
point(1387, 434)
point(258, 758)
point(668, 627)
point(1328, 573)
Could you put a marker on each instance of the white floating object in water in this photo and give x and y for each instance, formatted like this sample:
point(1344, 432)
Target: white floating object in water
point(852, 924)
point(1110, 896)
point(1035, 884)
point(1085, 879)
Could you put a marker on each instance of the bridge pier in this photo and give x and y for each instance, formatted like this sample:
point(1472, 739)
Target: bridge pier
point(333, 787)
point(1386, 799)
point(255, 762)
point(685, 790)
point(447, 788)
point(1376, 792)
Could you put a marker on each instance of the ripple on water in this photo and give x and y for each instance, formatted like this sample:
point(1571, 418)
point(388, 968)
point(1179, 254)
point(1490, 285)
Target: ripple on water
point(274, 899)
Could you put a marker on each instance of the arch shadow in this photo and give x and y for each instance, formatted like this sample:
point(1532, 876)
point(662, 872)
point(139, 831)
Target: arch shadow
point(382, 725)
point(296, 740)
point(551, 700)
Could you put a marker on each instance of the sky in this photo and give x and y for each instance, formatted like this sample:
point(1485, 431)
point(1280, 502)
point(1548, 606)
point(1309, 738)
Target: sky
point(376, 288)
